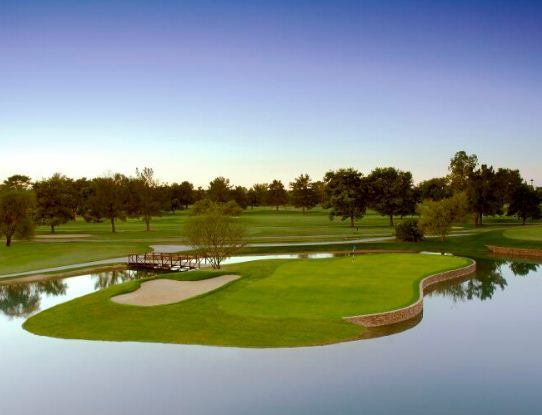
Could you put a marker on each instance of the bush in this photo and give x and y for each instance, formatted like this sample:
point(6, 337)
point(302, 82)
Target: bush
point(231, 208)
point(206, 206)
point(408, 231)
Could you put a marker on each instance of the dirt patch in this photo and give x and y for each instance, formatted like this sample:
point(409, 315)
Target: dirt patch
point(164, 291)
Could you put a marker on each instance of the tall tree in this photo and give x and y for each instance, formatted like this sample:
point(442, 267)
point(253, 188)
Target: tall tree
point(277, 194)
point(525, 203)
point(16, 213)
point(437, 188)
point(461, 167)
point(304, 195)
point(239, 195)
point(219, 190)
point(482, 193)
point(507, 182)
point(391, 192)
point(346, 194)
point(18, 182)
point(144, 196)
point(54, 199)
point(257, 194)
point(108, 198)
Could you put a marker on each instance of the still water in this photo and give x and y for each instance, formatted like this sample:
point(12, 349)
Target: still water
point(477, 350)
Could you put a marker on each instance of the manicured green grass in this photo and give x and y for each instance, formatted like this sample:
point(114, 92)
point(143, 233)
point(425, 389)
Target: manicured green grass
point(27, 256)
point(526, 233)
point(275, 303)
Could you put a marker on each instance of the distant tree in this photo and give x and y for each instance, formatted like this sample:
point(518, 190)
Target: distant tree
point(185, 194)
point(461, 167)
point(303, 193)
point(320, 189)
point(18, 182)
point(214, 236)
point(434, 189)
point(507, 182)
point(391, 192)
point(257, 194)
point(239, 194)
point(437, 217)
point(16, 213)
point(482, 193)
point(145, 196)
point(219, 190)
point(55, 201)
point(206, 207)
point(277, 194)
point(525, 203)
point(346, 194)
point(199, 194)
point(81, 190)
point(108, 198)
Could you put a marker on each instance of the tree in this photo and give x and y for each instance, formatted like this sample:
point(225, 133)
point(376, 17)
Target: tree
point(482, 194)
point(391, 192)
point(16, 213)
point(346, 194)
point(214, 236)
point(108, 198)
point(185, 194)
point(18, 182)
point(55, 200)
point(257, 194)
point(304, 195)
point(409, 231)
point(437, 217)
point(437, 188)
point(277, 194)
point(219, 190)
point(240, 196)
point(145, 202)
point(525, 203)
point(461, 167)
point(507, 183)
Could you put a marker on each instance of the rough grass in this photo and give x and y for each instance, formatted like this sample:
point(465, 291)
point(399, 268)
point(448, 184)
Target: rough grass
point(276, 303)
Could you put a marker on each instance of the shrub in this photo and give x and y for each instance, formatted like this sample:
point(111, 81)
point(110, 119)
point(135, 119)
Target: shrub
point(231, 208)
point(408, 231)
point(206, 206)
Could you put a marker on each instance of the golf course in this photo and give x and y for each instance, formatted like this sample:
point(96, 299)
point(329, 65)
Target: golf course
point(275, 303)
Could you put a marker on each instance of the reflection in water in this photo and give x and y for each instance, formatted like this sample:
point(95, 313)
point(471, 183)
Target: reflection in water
point(107, 279)
point(484, 283)
point(24, 299)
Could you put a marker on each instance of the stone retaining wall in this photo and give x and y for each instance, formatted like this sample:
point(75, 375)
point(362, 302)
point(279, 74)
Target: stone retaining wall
point(522, 252)
point(406, 313)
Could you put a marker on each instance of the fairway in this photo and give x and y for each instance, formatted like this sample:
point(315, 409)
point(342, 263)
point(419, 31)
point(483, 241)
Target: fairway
point(275, 303)
point(527, 233)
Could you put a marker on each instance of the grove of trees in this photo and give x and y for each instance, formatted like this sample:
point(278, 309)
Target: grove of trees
point(485, 191)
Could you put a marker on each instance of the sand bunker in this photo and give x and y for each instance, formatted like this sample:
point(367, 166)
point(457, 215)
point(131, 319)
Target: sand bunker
point(164, 291)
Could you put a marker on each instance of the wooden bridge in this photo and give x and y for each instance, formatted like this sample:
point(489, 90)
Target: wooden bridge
point(164, 262)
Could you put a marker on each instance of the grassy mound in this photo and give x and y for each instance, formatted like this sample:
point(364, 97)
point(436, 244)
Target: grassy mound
point(275, 303)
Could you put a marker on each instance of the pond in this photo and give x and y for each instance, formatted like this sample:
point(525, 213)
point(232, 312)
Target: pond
point(476, 350)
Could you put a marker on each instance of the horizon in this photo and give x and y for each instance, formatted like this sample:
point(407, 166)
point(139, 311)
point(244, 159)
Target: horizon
point(256, 92)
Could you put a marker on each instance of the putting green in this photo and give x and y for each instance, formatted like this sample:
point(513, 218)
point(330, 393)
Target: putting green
point(526, 233)
point(274, 303)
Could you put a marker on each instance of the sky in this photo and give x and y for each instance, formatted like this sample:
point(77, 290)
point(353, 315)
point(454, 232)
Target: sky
point(257, 90)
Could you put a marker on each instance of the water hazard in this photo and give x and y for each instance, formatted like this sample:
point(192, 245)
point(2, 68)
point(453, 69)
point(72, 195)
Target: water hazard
point(476, 350)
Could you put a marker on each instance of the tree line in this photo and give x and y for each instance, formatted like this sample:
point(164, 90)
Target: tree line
point(481, 190)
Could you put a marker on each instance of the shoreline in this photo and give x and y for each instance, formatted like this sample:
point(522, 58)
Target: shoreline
point(403, 314)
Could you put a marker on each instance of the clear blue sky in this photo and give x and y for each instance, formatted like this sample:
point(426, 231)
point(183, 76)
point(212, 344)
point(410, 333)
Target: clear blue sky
point(256, 90)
